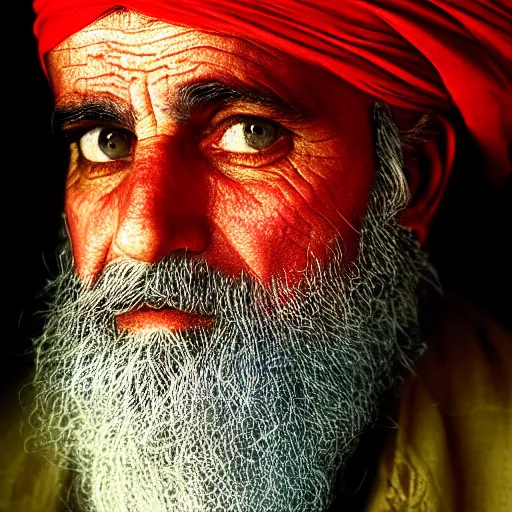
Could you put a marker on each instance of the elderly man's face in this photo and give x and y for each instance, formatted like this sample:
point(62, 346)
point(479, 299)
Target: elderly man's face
point(242, 290)
point(193, 141)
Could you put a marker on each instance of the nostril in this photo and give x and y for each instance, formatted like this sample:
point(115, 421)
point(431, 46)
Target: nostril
point(191, 234)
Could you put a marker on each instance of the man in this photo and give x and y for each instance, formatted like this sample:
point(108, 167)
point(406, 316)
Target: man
point(246, 204)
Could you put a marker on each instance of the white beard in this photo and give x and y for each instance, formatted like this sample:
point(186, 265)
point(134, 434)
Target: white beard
point(257, 413)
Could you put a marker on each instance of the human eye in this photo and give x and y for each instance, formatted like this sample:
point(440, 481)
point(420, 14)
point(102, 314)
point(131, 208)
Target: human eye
point(106, 144)
point(249, 135)
point(246, 141)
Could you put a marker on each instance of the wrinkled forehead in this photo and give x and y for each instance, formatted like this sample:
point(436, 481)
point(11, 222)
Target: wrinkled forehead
point(140, 38)
point(124, 46)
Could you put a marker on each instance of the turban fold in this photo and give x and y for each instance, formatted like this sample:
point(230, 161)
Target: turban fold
point(436, 55)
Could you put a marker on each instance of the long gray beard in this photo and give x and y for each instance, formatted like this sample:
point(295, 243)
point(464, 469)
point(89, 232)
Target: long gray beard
point(257, 413)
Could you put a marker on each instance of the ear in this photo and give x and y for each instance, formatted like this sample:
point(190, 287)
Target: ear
point(427, 165)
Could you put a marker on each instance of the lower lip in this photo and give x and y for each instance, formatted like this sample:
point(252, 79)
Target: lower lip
point(145, 320)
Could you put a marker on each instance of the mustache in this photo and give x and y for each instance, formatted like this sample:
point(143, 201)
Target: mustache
point(175, 282)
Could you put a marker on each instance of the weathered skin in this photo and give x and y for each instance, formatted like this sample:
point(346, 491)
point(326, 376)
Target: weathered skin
point(258, 212)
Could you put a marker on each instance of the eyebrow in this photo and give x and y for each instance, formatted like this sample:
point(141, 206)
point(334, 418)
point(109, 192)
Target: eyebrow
point(101, 110)
point(190, 98)
point(201, 95)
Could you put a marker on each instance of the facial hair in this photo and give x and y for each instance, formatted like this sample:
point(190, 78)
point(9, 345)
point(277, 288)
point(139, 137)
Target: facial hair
point(258, 412)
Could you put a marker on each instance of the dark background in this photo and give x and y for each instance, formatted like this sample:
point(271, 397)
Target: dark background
point(468, 241)
point(34, 168)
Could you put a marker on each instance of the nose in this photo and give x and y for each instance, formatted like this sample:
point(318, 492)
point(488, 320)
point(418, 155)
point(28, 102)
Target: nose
point(162, 204)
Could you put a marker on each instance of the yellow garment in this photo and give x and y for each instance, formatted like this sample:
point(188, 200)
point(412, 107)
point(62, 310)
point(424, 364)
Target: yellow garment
point(452, 450)
point(28, 482)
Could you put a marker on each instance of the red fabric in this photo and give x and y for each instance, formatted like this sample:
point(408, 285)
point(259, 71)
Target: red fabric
point(428, 54)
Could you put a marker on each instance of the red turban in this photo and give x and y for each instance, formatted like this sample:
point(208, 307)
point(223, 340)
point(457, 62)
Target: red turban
point(425, 55)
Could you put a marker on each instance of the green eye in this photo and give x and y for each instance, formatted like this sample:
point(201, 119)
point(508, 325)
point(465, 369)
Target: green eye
point(250, 136)
point(260, 134)
point(105, 144)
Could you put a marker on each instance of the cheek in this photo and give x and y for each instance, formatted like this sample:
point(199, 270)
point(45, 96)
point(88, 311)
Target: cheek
point(275, 226)
point(91, 215)
point(262, 230)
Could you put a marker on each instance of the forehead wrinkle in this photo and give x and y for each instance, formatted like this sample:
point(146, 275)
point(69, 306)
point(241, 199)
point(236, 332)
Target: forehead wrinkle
point(123, 24)
point(111, 59)
point(156, 43)
point(93, 63)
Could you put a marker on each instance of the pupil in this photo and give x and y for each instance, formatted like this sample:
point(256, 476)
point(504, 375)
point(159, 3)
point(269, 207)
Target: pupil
point(256, 129)
point(115, 143)
point(111, 143)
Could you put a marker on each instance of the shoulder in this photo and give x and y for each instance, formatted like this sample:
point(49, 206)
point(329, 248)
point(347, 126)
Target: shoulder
point(453, 447)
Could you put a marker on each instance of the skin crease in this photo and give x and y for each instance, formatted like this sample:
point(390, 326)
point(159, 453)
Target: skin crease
point(258, 213)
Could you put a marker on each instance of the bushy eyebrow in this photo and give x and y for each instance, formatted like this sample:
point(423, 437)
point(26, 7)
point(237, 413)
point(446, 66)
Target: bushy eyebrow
point(201, 95)
point(190, 98)
point(99, 110)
